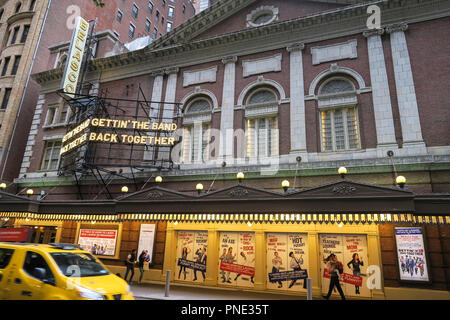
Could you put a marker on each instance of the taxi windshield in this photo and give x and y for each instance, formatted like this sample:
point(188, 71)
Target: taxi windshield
point(78, 264)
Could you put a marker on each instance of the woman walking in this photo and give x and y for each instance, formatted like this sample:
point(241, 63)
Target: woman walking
point(333, 268)
point(141, 261)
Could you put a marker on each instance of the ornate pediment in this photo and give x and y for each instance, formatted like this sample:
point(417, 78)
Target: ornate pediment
point(240, 191)
point(155, 194)
point(347, 188)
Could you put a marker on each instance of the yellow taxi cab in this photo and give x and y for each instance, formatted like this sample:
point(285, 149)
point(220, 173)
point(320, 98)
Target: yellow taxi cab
point(54, 272)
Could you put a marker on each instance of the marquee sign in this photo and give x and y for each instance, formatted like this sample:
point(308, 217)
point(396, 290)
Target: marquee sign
point(75, 57)
point(78, 136)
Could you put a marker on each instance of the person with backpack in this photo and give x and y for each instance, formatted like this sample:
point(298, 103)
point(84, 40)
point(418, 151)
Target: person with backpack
point(130, 262)
point(334, 269)
point(141, 261)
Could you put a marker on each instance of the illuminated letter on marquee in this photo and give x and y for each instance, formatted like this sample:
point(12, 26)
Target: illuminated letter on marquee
point(76, 51)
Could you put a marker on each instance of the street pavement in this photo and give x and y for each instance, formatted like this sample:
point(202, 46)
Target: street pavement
point(153, 290)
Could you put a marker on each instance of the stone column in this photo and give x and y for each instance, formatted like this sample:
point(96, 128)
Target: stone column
point(156, 94)
point(260, 258)
point(384, 120)
point(212, 258)
point(170, 255)
point(171, 87)
point(155, 107)
point(297, 101)
point(406, 94)
point(227, 109)
point(314, 262)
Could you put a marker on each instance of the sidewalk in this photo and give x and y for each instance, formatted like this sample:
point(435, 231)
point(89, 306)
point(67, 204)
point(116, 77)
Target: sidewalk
point(155, 291)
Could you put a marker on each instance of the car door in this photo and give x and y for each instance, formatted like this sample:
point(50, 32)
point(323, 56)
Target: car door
point(26, 285)
point(5, 259)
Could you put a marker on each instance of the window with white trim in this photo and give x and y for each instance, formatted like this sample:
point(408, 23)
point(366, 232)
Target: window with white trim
point(135, 11)
point(196, 133)
point(51, 114)
point(50, 160)
point(262, 124)
point(169, 26)
point(338, 116)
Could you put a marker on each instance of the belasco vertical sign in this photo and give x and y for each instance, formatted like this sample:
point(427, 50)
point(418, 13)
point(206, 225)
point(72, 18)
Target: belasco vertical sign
point(75, 58)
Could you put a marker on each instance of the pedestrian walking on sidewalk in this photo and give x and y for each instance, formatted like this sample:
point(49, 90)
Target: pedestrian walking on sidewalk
point(141, 261)
point(130, 262)
point(333, 268)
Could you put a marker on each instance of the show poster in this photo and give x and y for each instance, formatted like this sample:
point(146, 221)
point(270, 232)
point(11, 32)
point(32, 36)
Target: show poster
point(237, 259)
point(97, 241)
point(287, 261)
point(146, 240)
point(351, 252)
point(191, 256)
point(411, 254)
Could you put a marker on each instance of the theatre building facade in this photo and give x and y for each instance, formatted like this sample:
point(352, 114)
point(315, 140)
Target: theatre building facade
point(217, 147)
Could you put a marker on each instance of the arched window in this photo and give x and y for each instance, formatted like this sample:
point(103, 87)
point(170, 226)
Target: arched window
point(196, 134)
point(261, 109)
point(32, 4)
point(338, 115)
point(18, 6)
point(62, 61)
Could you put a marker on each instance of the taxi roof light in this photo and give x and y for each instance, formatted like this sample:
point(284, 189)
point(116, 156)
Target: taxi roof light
point(64, 246)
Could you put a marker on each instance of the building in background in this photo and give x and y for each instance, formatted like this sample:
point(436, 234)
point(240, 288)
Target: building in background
point(279, 90)
point(201, 5)
point(35, 36)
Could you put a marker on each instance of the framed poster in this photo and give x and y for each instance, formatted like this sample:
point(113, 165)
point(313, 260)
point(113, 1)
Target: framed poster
point(351, 252)
point(287, 261)
point(192, 249)
point(237, 259)
point(146, 241)
point(411, 255)
point(101, 242)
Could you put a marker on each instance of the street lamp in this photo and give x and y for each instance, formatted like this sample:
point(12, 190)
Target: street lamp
point(3, 186)
point(158, 179)
point(240, 176)
point(401, 181)
point(199, 188)
point(342, 171)
point(30, 192)
point(124, 189)
point(285, 185)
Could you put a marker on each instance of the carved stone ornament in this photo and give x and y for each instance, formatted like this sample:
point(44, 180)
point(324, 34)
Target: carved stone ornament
point(230, 59)
point(401, 27)
point(157, 73)
point(373, 32)
point(154, 195)
point(295, 47)
point(173, 70)
point(238, 193)
point(344, 190)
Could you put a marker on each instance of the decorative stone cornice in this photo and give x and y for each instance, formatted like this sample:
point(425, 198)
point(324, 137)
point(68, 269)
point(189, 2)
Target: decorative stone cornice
point(230, 59)
point(173, 70)
point(397, 27)
point(181, 42)
point(373, 32)
point(295, 47)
